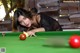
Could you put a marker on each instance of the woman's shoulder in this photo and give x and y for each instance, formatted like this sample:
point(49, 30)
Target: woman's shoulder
point(43, 15)
point(46, 17)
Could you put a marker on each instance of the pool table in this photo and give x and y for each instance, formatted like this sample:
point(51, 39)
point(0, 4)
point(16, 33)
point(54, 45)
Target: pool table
point(39, 44)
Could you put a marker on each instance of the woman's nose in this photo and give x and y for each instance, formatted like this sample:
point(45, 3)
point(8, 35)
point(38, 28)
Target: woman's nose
point(25, 22)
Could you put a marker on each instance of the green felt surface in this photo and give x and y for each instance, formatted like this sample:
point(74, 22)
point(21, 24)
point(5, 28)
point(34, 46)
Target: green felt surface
point(38, 44)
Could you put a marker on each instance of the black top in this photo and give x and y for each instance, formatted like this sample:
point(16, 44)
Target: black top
point(49, 23)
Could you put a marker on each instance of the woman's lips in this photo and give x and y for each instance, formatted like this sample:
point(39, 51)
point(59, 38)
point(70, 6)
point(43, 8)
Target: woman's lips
point(27, 25)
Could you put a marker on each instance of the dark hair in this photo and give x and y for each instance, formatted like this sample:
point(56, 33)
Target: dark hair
point(17, 13)
point(22, 12)
point(34, 10)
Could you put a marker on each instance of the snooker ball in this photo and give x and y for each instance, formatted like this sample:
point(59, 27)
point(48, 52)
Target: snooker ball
point(74, 41)
point(22, 36)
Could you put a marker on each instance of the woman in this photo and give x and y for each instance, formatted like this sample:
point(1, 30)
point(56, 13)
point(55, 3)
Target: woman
point(25, 21)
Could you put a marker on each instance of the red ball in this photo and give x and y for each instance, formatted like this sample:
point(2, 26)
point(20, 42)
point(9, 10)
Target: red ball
point(22, 36)
point(74, 41)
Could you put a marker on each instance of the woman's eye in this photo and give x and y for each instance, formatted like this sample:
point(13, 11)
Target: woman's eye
point(22, 23)
point(24, 18)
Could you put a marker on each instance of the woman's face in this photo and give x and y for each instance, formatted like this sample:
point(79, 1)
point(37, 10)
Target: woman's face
point(24, 21)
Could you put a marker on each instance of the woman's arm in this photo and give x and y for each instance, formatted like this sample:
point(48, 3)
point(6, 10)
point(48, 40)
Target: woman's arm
point(32, 32)
point(38, 30)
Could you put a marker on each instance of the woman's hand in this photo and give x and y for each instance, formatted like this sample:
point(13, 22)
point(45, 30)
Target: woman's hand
point(30, 33)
